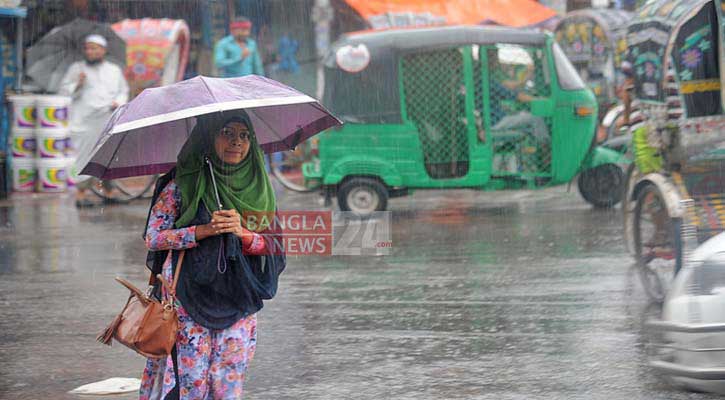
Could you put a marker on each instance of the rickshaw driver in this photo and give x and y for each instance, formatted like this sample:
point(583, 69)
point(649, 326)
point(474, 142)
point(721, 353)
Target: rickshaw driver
point(647, 158)
point(624, 92)
point(512, 90)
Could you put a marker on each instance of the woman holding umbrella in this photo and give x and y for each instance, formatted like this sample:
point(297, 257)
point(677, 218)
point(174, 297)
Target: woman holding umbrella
point(196, 212)
point(212, 132)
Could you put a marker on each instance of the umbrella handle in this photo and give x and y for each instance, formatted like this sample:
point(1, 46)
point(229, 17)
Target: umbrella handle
point(213, 182)
point(221, 263)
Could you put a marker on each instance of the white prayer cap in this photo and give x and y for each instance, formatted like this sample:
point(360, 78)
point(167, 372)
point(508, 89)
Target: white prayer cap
point(97, 39)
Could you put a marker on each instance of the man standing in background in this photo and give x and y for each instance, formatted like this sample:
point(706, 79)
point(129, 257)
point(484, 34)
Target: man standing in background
point(97, 87)
point(237, 55)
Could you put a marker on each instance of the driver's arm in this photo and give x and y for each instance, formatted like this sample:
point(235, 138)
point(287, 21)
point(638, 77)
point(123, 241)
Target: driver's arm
point(524, 97)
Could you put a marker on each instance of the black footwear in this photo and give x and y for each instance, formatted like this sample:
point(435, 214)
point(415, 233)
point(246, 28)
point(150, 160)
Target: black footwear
point(110, 200)
point(84, 203)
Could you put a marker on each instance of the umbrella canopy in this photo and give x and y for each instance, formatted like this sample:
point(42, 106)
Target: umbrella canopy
point(145, 135)
point(49, 59)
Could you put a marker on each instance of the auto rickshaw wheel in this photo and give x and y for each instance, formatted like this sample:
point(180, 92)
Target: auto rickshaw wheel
point(362, 196)
point(657, 242)
point(602, 186)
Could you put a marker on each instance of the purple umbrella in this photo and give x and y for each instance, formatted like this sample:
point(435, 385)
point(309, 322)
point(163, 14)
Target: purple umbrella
point(144, 136)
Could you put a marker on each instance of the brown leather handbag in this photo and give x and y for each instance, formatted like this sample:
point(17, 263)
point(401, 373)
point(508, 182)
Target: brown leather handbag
point(145, 324)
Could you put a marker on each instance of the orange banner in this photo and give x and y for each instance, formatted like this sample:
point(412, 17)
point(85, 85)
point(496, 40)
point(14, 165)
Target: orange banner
point(515, 13)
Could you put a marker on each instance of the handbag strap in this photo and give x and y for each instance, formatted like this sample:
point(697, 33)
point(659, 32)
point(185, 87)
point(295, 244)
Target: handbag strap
point(171, 290)
point(179, 263)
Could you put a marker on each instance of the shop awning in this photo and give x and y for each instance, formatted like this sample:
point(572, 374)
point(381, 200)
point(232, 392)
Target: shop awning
point(399, 13)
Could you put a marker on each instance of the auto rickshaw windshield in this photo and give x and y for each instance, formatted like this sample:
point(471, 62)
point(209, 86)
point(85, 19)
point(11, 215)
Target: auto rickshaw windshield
point(568, 77)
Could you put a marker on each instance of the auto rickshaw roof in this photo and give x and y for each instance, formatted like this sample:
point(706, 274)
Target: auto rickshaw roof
point(658, 21)
point(363, 86)
point(381, 44)
point(666, 15)
point(668, 11)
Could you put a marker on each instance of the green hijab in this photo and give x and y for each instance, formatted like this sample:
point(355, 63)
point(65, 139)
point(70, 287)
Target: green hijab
point(244, 187)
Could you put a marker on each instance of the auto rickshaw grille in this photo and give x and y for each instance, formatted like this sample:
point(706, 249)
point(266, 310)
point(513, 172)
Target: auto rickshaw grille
point(435, 91)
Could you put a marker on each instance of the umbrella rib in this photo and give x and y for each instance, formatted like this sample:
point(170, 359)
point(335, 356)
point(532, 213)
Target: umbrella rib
point(116, 151)
point(322, 109)
point(274, 131)
point(209, 90)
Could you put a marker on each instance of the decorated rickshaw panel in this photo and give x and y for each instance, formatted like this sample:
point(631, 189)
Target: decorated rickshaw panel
point(647, 41)
point(695, 52)
point(594, 40)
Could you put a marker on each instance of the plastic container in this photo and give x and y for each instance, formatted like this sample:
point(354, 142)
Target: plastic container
point(52, 143)
point(52, 174)
point(53, 112)
point(24, 114)
point(23, 144)
point(24, 174)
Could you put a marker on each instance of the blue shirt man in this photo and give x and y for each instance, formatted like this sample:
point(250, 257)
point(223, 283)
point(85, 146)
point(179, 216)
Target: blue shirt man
point(237, 55)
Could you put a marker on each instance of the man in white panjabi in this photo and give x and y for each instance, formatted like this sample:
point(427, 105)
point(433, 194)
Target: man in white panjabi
point(97, 87)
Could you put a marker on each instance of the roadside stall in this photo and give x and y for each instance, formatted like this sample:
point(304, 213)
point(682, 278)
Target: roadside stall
point(153, 52)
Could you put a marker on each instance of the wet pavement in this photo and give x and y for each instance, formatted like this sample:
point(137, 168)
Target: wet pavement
point(486, 295)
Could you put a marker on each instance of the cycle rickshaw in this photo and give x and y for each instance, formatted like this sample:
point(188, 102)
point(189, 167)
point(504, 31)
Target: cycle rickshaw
point(157, 51)
point(676, 186)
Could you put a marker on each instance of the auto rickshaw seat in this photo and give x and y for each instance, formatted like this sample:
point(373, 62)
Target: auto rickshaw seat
point(507, 135)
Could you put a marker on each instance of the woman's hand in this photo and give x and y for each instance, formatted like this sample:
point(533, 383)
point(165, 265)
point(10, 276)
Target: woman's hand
point(205, 231)
point(229, 221)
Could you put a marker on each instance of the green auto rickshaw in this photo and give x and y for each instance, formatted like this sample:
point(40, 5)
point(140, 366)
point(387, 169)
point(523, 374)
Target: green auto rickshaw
point(457, 107)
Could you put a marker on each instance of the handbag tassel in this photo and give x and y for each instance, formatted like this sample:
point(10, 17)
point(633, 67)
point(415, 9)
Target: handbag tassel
point(106, 336)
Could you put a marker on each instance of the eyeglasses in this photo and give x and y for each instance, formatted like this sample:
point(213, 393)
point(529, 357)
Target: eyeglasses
point(230, 134)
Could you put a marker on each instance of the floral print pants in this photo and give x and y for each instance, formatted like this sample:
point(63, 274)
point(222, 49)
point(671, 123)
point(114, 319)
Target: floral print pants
point(212, 363)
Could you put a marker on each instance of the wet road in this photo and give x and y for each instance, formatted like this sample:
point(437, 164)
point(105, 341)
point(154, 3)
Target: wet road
point(505, 295)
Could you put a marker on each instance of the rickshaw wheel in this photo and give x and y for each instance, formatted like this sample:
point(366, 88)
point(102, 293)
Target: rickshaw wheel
point(289, 172)
point(128, 189)
point(628, 204)
point(658, 246)
point(602, 186)
point(362, 196)
point(137, 187)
